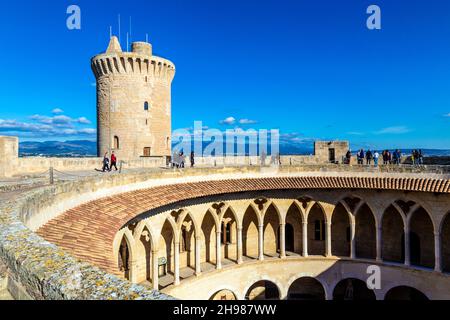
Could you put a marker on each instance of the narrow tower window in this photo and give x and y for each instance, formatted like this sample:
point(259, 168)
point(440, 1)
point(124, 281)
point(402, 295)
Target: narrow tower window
point(116, 142)
point(146, 106)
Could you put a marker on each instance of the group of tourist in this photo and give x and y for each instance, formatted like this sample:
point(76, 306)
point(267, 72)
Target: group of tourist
point(179, 160)
point(386, 156)
point(107, 161)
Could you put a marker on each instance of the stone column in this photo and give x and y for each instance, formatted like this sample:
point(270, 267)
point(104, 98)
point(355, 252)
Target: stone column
point(305, 239)
point(261, 242)
point(282, 241)
point(352, 241)
point(239, 246)
point(379, 244)
point(218, 250)
point(437, 252)
point(407, 250)
point(133, 271)
point(198, 268)
point(177, 264)
point(155, 273)
point(328, 239)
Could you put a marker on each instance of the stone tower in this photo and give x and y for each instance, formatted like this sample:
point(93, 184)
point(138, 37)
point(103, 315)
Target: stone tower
point(133, 101)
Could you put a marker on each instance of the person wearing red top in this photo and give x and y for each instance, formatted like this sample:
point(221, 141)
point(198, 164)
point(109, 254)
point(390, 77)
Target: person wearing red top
point(113, 161)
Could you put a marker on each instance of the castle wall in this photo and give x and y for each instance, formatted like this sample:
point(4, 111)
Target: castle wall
point(9, 153)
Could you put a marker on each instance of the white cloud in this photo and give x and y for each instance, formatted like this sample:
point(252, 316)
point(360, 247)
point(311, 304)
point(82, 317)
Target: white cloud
point(247, 121)
point(355, 133)
point(40, 126)
point(394, 130)
point(83, 120)
point(447, 115)
point(57, 111)
point(229, 121)
point(59, 120)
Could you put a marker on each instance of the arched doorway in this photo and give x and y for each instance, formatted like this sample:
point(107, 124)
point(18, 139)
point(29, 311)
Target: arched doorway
point(445, 243)
point(340, 232)
point(263, 290)
point(353, 289)
point(229, 235)
point(250, 234)
point(316, 231)
point(294, 242)
point(405, 293)
point(124, 258)
point(223, 295)
point(208, 252)
point(271, 227)
point(306, 288)
point(187, 243)
point(166, 255)
point(288, 238)
point(365, 234)
point(421, 239)
point(392, 235)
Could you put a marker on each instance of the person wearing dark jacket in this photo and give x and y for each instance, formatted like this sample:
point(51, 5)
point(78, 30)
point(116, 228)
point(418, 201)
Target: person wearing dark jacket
point(369, 157)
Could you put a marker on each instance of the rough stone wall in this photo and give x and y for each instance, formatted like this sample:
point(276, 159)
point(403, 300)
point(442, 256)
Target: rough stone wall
point(9, 152)
point(321, 150)
point(127, 84)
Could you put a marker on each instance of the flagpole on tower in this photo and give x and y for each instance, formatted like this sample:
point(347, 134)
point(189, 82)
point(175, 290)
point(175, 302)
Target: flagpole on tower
point(119, 28)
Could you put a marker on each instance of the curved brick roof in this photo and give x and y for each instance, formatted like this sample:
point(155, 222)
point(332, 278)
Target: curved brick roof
point(88, 230)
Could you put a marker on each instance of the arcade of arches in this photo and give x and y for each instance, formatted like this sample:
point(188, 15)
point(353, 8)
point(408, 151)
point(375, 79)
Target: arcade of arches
point(186, 241)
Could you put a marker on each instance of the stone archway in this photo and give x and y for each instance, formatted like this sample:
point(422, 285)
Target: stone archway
point(405, 293)
point(340, 232)
point(229, 235)
point(187, 243)
point(166, 253)
point(271, 227)
point(392, 235)
point(263, 290)
point(365, 234)
point(250, 234)
point(208, 227)
point(294, 224)
point(316, 231)
point(306, 288)
point(353, 289)
point(123, 259)
point(421, 239)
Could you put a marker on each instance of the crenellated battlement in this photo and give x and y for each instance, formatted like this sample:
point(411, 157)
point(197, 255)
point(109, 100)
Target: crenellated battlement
point(138, 62)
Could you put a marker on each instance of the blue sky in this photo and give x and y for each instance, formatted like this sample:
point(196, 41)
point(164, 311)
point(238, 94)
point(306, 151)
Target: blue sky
point(309, 68)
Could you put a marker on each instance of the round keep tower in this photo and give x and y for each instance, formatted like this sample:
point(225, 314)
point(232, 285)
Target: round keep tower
point(133, 101)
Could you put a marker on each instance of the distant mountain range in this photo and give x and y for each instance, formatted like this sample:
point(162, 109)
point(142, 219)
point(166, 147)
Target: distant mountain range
point(76, 148)
point(86, 148)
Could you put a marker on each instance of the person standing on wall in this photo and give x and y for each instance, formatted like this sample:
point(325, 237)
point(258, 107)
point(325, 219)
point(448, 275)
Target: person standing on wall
point(192, 159)
point(361, 156)
point(376, 156)
point(113, 162)
point(105, 162)
point(369, 157)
